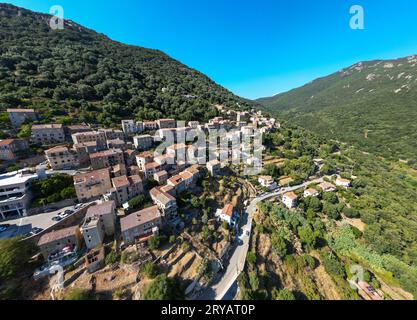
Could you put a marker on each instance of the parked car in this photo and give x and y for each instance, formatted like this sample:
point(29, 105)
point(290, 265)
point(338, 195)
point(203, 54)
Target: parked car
point(78, 206)
point(4, 227)
point(36, 230)
point(57, 218)
point(69, 212)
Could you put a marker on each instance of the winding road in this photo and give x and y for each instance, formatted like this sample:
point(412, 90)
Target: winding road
point(237, 261)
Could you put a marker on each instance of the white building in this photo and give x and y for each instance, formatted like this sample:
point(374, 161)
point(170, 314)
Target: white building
point(290, 200)
point(129, 127)
point(267, 182)
point(311, 193)
point(143, 142)
point(340, 182)
point(228, 214)
point(15, 194)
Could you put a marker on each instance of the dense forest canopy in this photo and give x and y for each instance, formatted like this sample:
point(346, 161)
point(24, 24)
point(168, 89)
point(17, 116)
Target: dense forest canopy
point(76, 74)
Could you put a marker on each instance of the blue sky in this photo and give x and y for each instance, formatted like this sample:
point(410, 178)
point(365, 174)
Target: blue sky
point(255, 48)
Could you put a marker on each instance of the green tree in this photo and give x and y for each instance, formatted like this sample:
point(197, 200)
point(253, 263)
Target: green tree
point(163, 288)
point(283, 294)
point(251, 257)
point(279, 244)
point(153, 242)
point(149, 270)
point(136, 202)
point(14, 256)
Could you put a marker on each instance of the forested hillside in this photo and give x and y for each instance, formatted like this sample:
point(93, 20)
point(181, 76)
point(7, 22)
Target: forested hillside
point(372, 105)
point(76, 74)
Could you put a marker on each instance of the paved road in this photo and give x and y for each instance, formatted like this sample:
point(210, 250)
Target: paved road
point(237, 262)
point(22, 226)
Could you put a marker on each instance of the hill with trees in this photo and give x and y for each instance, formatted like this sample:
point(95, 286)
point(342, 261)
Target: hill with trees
point(76, 74)
point(371, 105)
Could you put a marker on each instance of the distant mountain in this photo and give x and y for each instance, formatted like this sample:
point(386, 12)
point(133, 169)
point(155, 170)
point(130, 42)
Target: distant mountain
point(77, 74)
point(372, 105)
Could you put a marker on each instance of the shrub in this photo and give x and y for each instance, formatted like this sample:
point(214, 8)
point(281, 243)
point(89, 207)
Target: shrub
point(153, 242)
point(251, 258)
point(111, 258)
point(77, 294)
point(164, 288)
point(149, 270)
point(283, 294)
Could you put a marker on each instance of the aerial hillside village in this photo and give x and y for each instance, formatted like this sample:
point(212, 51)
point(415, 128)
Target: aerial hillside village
point(105, 207)
point(124, 191)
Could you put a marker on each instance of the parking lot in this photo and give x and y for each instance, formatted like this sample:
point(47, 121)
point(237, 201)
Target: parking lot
point(22, 226)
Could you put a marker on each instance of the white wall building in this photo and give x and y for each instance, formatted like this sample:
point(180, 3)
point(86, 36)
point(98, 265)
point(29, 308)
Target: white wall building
point(15, 194)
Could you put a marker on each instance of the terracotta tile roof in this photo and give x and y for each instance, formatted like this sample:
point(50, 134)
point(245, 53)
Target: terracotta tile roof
point(57, 149)
point(152, 165)
point(194, 169)
point(100, 209)
point(161, 196)
point(57, 235)
point(228, 210)
point(101, 174)
point(311, 191)
point(185, 175)
point(20, 110)
point(291, 195)
point(161, 173)
point(177, 146)
point(146, 154)
point(138, 218)
point(327, 185)
point(46, 126)
point(6, 142)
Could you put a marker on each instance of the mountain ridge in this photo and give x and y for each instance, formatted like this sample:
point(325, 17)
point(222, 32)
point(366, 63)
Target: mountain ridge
point(79, 74)
point(370, 104)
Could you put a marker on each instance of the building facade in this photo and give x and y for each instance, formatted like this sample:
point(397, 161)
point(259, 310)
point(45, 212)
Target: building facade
point(92, 185)
point(11, 149)
point(20, 116)
point(48, 134)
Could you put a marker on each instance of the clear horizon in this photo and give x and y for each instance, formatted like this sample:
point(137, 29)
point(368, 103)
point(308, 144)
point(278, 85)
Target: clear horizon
point(253, 49)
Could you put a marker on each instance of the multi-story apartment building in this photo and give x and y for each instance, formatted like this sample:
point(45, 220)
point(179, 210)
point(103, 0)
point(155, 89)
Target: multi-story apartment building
point(129, 127)
point(214, 167)
point(20, 116)
point(62, 158)
point(193, 124)
point(11, 149)
point(150, 125)
point(48, 134)
point(92, 231)
point(55, 241)
point(92, 185)
point(166, 123)
point(126, 188)
point(15, 193)
point(144, 158)
point(143, 142)
point(118, 144)
point(178, 150)
point(106, 212)
point(106, 158)
point(112, 134)
point(161, 177)
point(76, 128)
point(139, 226)
point(93, 136)
point(150, 169)
point(166, 203)
point(130, 157)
